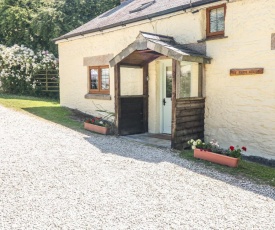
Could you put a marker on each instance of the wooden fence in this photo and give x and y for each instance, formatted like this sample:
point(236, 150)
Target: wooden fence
point(48, 80)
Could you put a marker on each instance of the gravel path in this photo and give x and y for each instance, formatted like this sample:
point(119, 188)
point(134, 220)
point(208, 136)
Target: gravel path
point(54, 178)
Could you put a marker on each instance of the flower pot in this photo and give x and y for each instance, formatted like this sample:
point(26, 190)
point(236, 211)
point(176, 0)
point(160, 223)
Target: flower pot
point(96, 128)
point(216, 158)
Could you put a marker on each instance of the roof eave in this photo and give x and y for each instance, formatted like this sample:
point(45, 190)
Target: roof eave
point(161, 13)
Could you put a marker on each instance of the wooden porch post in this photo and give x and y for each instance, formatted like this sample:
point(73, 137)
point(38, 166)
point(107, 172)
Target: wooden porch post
point(117, 97)
point(200, 90)
point(145, 97)
point(175, 74)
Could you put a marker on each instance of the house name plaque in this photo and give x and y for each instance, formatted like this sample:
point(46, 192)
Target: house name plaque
point(250, 71)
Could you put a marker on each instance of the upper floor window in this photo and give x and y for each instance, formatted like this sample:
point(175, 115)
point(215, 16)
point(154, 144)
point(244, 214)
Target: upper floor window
point(99, 79)
point(215, 17)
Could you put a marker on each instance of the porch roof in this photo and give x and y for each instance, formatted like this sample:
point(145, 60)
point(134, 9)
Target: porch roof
point(148, 47)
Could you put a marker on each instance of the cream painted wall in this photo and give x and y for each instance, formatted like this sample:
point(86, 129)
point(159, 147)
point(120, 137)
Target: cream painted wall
point(239, 110)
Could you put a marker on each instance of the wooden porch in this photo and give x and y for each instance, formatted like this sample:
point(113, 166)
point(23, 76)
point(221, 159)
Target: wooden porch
point(132, 111)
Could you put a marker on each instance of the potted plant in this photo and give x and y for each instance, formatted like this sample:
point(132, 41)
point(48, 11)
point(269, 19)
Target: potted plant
point(97, 125)
point(212, 152)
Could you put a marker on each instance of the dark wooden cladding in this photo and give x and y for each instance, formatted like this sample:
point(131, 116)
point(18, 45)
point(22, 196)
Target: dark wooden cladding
point(132, 115)
point(194, 117)
point(189, 121)
point(189, 112)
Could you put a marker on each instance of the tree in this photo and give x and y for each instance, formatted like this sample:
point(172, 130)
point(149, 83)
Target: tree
point(34, 23)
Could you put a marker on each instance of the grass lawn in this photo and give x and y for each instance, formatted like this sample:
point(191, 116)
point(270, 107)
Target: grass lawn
point(51, 110)
point(48, 109)
point(257, 172)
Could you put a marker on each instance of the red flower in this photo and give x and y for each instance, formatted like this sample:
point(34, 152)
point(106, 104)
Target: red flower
point(231, 148)
point(93, 121)
point(244, 148)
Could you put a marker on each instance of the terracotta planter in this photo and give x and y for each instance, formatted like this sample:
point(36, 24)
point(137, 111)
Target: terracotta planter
point(216, 158)
point(96, 128)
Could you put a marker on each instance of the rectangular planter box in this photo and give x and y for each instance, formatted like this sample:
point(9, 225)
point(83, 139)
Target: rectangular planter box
point(96, 128)
point(216, 158)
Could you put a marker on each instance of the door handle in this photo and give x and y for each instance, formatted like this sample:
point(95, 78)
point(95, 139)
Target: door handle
point(164, 101)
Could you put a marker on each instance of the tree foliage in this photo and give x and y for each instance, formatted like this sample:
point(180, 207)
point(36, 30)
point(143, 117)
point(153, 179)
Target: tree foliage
point(34, 23)
point(18, 66)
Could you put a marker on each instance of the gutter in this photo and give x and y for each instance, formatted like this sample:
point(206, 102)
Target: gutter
point(157, 14)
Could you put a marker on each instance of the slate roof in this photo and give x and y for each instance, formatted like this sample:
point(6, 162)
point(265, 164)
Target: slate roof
point(128, 12)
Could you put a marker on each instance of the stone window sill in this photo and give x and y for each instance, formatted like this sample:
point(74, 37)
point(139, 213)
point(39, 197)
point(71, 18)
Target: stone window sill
point(98, 96)
point(212, 38)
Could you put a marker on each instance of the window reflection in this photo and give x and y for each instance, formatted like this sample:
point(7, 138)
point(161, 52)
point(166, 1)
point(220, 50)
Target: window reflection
point(169, 82)
point(188, 82)
point(217, 20)
point(94, 79)
point(105, 79)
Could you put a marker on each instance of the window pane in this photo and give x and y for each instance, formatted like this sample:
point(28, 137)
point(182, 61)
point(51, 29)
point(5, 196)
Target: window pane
point(94, 78)
point(105, 79)
point(217, 20)
point(169, 82)
point(188, 82)
point(213, 21)
point(185, 81)
point(220, 19)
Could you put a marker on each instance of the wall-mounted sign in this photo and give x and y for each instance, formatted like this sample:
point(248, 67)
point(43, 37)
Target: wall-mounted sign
point(250, 71)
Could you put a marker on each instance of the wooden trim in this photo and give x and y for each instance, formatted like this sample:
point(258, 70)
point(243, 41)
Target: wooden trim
point(99, 90)
point(218, 33)
point(145, 100)
point(117, 97)
point(133, 96)
point(175, 73)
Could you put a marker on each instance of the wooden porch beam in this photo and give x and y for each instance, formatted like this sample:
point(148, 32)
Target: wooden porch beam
point(145, 99)
point(117, 98)
point(175, 75)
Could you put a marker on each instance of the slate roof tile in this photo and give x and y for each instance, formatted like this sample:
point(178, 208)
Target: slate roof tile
point(121, 15)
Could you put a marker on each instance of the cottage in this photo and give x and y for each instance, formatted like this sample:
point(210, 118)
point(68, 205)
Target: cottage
point(189, 68)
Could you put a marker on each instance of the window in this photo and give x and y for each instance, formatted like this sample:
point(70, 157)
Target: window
point(143, 6)
point(215, 20)
point(99, 80)
point(189, 80)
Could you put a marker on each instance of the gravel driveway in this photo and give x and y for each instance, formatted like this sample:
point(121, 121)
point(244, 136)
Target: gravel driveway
point(52, 177)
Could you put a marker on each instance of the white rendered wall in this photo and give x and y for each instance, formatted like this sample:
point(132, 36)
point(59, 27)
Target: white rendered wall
point(239, 110)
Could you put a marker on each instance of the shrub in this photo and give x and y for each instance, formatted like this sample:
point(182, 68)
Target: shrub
point(19, 64)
